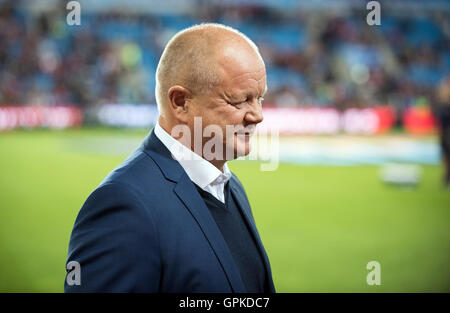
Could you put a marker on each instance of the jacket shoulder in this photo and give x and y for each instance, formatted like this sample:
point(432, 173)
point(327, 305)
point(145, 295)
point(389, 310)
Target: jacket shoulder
point(112, 236)
point(133, 171)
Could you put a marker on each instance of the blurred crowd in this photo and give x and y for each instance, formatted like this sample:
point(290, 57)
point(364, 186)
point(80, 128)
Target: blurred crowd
point(313, 58)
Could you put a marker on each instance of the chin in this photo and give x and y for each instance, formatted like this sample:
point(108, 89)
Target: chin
point(242, 150)
point(239, 148)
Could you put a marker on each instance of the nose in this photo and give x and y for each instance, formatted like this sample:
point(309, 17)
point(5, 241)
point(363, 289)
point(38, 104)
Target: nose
point(254, 114)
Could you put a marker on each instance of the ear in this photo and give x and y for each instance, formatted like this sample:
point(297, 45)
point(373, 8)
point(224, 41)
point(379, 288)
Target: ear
point(179, 101)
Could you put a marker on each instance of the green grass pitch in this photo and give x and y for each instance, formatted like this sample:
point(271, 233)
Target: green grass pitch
point(320, 225)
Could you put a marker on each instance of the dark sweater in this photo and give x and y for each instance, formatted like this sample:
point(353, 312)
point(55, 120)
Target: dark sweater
point(238, 237)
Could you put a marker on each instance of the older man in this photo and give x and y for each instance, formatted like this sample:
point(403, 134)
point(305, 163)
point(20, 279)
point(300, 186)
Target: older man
point(172, 217)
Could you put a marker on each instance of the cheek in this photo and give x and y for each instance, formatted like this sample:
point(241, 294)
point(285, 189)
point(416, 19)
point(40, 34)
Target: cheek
point(233, 117)
point(222, 117)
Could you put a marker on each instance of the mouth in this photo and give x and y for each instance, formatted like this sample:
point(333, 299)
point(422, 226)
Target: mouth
point(246, 132)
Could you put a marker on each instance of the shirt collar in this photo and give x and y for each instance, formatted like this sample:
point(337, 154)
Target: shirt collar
point(199, 170)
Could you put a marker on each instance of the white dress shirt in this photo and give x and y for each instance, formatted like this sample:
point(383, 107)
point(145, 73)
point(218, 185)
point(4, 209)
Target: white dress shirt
point(200, 171)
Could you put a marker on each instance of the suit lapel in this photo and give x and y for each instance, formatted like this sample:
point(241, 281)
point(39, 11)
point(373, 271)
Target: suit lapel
point(189, 195)
point(242, 204)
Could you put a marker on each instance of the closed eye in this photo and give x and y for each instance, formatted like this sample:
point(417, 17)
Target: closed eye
point(237, 103)
point(260, 100)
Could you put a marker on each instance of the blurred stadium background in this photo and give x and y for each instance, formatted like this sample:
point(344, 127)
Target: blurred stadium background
point(357, 106)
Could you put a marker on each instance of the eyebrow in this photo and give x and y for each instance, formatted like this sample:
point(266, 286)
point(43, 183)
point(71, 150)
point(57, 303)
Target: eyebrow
point(241, 96)
point(262, 95)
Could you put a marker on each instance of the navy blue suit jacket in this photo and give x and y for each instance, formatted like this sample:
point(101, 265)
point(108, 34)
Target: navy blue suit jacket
point(145, 228)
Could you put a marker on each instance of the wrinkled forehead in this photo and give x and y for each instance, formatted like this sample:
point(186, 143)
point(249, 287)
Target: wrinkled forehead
point(238, 63)
point(237, 54)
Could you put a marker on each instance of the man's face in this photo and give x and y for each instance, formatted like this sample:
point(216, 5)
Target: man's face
point(236, 101)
